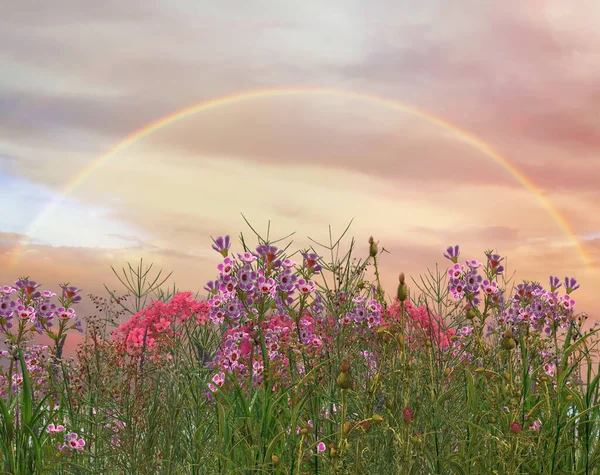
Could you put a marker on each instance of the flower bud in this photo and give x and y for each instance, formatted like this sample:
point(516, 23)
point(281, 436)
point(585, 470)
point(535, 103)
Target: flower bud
point(509, 343)
point(515, 427)
point(348, 426)
point(332, 451)
point(344, 381)
point(407, 415)
point(470, 314)
point(402, 292)
point(304, 432)
point(372, 247)
point(377, 418)
point(345, 366)
point(275, 459)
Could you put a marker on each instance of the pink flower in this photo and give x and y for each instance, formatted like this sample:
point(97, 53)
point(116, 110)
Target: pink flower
point(321, 447)
point(55, 429)
point(407, 415)
point(515, 427)
point(536, 425)
point(73, 441)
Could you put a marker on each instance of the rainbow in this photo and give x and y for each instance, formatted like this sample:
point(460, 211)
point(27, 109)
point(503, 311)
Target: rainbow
point(148, 129)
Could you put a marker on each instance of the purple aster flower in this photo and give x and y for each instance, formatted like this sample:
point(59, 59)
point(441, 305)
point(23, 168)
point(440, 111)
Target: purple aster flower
point(452, 253)
point(222, 245)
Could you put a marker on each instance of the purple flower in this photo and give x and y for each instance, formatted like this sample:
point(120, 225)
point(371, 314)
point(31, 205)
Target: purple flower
point(452, 253)
point(554, 283)
point(247, 257)
point(267, 253)
point(310, 260)
point(494, 261)
point(28, 287)
point(69, 293)
point(571, 284)
point(222, 245)
point(212, 286)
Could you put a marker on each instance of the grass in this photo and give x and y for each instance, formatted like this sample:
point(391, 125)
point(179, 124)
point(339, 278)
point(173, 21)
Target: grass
point(412, 392)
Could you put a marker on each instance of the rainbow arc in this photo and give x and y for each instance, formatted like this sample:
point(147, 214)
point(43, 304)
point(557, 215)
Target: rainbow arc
point(77, 179)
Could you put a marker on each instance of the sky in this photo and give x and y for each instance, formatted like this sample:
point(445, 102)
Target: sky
point(77, 78)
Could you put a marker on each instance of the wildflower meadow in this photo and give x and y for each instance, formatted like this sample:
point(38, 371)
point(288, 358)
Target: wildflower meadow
point(299, 362)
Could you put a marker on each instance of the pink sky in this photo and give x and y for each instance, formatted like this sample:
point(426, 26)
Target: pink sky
point(77, 78)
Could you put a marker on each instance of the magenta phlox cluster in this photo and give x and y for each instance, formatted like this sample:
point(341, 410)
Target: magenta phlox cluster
point(153, 327)
point(421, 324)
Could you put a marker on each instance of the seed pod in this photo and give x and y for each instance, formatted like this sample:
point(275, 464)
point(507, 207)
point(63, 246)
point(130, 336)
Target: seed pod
point(348, 426)
point(345, 366)
point(402, 292)
point(344, 380)
point(377, 418)
point(372, 247)
point(275, 459)
point(304, 431)
point(332, 451)
point(470, 314)
point(509, 343)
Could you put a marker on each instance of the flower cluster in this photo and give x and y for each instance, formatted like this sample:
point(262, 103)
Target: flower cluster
point(421, 323)
point(39, 368)
point(531, 305)
point(285, 343)
point(71, 443)
point(33, 311)
point(153, 327)
point(365, 313)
